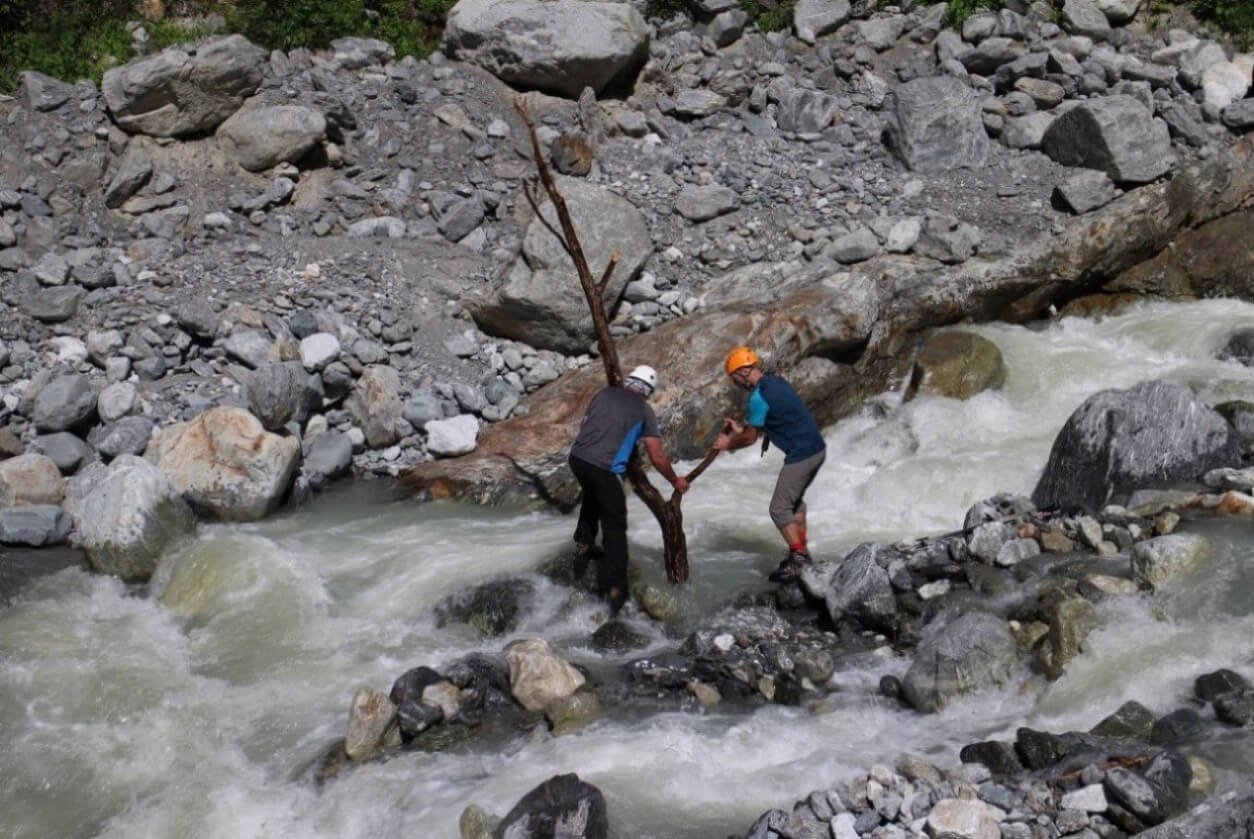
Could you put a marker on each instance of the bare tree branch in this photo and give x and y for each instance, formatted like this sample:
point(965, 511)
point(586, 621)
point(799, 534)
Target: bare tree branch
point(609, 269)
point(535, 207)
point(668, 513)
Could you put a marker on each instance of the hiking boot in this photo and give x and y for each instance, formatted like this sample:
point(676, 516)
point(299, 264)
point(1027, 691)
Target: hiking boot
point(579, 563)
point(791, 566)
point(617, 600)
point(583, 555)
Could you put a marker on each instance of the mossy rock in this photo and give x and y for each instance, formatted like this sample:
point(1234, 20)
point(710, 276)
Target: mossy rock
point(958, 365)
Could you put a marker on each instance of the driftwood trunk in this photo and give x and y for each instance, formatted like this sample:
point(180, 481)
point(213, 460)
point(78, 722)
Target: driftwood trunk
point(668, 512)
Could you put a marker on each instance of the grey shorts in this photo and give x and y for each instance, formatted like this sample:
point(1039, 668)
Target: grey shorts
point(790, 488)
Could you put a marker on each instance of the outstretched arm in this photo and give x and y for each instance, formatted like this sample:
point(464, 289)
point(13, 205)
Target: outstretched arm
point(735, 435)
point(662, 463)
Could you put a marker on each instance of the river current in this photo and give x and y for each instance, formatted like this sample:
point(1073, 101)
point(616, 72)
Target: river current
point(193, 706)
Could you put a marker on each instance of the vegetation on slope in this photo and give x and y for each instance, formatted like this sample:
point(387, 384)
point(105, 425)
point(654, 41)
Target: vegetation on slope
point(72, 39)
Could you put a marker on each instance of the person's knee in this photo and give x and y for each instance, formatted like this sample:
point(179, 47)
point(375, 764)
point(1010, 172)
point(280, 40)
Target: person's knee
point(782, 514)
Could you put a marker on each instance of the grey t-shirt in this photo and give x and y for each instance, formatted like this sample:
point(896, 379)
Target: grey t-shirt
point(615, 421)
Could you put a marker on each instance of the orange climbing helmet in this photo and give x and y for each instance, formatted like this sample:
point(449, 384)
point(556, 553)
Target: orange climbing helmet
point(740, 357)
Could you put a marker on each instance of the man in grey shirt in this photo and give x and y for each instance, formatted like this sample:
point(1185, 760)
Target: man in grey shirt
point(616, 420)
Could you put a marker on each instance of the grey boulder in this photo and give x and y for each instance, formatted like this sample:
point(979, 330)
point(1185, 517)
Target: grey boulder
point(1113, 134)
point(35, 526)
point(127, 514)
point(262, 137)
point(560, 46)
point(282, 393)
point(1118, 440)
point(935, 125)
point(185, 89)
point(540, 302)
point(959, 654)
point(66, 403)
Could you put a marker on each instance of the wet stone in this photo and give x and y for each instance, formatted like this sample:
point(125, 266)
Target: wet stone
point(1132, 720)
point(1179, 726)
point(1209, 686)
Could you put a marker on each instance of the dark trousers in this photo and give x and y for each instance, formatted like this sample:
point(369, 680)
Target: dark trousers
point(604, 504)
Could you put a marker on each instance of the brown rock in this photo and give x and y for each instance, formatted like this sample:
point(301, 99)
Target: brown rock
point(226, 464)
point(572, 154)
point(30, 479)
point(1054, 540)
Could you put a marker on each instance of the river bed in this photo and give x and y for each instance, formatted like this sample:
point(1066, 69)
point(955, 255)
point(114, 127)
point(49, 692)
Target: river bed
point(192, 707)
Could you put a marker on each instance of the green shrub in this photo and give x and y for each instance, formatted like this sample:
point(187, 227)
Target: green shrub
point(165, 33)
point(67, 40)
point(654, 9)
point(1233, 16)
point(957, 11)
point(413, 27)
point(769, 15)
point(287, 24)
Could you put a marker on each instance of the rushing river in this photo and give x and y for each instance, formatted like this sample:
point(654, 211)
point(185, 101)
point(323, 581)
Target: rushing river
point(193, 707)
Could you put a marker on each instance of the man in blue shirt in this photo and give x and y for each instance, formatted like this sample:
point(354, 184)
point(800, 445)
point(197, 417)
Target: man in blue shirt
point(616, 419)
point(776, 410)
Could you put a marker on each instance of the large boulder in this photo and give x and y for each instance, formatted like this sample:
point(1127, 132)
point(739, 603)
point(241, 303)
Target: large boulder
point(935, 125)
point(36, 526)
point(541, 302)
point(186, 89)
point(1113, 134)
point(1152, 434)
point(226, 464)
point(127, 514)
point(1229, 814)
point(262, 137)
point(959, 654)
point(564, 806)
point(812, 19)
point(559, 46)
point(1157, 560)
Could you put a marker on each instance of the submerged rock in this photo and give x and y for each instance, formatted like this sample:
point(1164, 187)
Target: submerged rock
point(957, 656)
point(493, 608)
point(562, 806)
point(958, 365)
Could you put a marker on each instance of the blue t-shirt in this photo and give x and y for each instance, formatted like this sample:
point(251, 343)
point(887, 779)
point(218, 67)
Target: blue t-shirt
point(777, 409)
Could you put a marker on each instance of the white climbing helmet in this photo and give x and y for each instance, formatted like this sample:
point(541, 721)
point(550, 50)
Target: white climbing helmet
point(646, 376)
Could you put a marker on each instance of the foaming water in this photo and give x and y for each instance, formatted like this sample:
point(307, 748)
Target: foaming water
point(194, 707)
